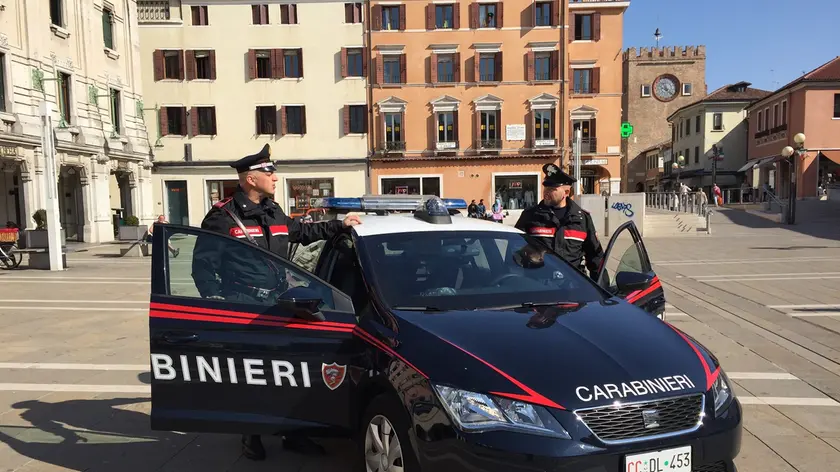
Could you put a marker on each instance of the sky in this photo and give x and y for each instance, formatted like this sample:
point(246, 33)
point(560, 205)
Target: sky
point(766, 42)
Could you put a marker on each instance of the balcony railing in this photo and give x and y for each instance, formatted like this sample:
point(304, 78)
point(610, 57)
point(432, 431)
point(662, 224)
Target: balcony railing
point(587, 145)
point(153, 10)
point(545, 142)
point(394, 145)
point(770, 131)
point(489, 144)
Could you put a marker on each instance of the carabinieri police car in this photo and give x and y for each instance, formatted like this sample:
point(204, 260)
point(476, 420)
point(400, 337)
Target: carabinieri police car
point(441, 343)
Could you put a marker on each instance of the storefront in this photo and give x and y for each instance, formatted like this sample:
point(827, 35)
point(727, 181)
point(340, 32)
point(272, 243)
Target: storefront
point(411, 185)
point(517, 191)
point(303, 193)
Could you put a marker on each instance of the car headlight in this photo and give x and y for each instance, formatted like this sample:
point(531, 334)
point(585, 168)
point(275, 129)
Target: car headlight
point(477, 412)
point(722, 392)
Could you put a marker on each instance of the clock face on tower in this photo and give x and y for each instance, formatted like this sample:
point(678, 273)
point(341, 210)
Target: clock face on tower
point(665, 87)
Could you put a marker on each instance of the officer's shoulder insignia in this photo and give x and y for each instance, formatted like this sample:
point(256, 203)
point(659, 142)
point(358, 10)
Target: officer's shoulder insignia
point(222, 202)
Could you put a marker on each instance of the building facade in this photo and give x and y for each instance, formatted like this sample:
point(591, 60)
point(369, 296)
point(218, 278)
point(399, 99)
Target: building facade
point(223, 78)
point(712, 134)
point(470, 99)
point(657, 81)
point(810, 105)
point(82, 57)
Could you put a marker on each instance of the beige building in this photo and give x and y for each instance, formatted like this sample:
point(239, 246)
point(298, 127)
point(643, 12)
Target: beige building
point(224, 77)
point(81, 56)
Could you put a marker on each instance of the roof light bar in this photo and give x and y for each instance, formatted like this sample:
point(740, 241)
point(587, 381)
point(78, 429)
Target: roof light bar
point(386, 203)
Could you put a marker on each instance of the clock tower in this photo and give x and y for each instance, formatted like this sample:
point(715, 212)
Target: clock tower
point(657, 81)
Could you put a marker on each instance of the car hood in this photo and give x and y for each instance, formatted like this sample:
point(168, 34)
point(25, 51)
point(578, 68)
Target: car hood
point(592, 356)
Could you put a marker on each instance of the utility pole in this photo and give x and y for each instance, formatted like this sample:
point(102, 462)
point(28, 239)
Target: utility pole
point(51, 188)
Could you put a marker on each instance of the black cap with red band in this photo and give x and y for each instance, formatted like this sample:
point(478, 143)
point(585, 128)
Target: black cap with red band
point(554, 177)
point(259, 161)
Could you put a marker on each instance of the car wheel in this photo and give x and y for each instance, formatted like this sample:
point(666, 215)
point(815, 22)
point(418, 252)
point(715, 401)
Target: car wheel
point(383, 441)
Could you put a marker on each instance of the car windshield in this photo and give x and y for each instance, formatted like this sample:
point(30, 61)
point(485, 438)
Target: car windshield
point(470, 270)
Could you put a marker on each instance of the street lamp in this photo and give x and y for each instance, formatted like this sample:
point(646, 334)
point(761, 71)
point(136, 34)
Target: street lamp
point(678, 166)
point(794, 153)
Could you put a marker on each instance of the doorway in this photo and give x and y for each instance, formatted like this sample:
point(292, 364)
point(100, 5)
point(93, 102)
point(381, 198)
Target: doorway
point(71, 203)
point(176, 201)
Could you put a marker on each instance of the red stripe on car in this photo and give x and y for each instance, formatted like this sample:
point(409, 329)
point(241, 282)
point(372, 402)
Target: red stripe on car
point(241, 314)
point(710, 376)
point(633, 297)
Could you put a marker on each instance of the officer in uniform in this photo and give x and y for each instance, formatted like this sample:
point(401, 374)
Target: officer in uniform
point(224, 270)
point(562, 224)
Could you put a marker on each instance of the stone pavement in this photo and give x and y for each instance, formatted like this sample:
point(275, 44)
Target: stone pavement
point(74, 391)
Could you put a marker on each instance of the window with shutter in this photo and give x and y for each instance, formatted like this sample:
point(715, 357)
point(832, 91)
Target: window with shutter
point(199, 15)
point(108, 27)
point(352, 12)
point(172, 64)
point(266, 119)
point(288, 14)
point(584, 27)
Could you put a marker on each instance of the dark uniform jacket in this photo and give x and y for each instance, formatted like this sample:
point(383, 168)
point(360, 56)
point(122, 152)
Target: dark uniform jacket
point(571, 236)
point(219, 269)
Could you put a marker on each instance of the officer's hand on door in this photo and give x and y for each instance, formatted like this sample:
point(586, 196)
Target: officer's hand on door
point(352, 220)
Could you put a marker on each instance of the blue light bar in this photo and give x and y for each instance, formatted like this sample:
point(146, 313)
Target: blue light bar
point(385, 203)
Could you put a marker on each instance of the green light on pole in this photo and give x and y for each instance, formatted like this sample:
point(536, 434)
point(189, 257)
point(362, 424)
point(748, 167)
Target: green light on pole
point(626, 130)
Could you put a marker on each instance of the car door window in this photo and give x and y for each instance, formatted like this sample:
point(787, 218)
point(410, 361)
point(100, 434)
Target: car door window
point(624, 255)
point(215, 265)
point(344, 273)
point(307, 256)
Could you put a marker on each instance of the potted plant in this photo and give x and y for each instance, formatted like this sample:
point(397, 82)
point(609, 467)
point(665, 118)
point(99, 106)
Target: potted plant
point(37, 238)
point(131, 230)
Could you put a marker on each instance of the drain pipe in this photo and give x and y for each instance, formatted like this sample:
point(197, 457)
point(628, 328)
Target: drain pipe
point(564, 97)
point(371, 69)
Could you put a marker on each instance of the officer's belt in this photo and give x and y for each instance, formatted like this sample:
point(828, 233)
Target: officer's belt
point(256, 292)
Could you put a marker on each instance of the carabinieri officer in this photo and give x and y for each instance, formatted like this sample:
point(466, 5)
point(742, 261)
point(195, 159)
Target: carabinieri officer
point(562, 224)
point(221, 271)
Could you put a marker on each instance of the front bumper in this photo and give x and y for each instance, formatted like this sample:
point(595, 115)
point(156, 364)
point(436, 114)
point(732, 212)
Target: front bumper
point(443, 449)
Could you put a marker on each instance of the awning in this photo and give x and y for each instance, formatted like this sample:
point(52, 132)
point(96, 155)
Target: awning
point(753, 163)
point(771, 160)
point(833, 156)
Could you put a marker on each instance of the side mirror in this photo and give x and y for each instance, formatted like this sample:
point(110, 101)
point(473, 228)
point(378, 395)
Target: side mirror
point(304, 303)
point(630, 281)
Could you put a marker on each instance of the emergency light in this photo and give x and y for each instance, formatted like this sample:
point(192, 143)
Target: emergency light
point(385, 203)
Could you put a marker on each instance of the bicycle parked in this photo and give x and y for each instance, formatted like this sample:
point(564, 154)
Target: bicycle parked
point(9, 258)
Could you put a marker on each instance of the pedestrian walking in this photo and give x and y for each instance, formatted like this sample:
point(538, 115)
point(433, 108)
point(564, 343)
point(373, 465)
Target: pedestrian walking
point(562, 224)
point(252, 213)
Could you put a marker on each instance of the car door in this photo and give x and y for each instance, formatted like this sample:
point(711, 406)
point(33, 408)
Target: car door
point(231, 366)
point(626, 271)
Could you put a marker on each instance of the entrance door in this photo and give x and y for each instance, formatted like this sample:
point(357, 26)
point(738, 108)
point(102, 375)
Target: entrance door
point(70, 203)
point(626, 271)
point(264, 353)
point(176, 197)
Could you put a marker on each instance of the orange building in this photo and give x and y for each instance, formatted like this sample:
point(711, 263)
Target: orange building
point(469, 99)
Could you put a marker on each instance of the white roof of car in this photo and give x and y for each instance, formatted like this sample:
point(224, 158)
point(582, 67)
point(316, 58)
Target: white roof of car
point(373, 225)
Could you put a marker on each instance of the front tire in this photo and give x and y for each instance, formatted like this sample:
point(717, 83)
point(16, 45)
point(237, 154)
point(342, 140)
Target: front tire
point(384, 443)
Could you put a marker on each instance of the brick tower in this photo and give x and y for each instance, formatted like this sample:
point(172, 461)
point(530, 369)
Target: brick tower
point(657, 82)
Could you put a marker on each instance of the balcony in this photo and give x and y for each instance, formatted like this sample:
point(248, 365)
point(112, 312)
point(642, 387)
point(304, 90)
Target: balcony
point(153, 10)
point(768, 132)
point(489, 144)
point(587, 145)
point(394, 146)
point(544, 143)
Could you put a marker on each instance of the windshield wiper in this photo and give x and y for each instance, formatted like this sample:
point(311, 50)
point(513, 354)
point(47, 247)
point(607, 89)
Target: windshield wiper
point(537, 304)
point(418, 308)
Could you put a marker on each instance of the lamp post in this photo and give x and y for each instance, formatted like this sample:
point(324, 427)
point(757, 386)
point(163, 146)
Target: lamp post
point(678, 166)
point(794, 154)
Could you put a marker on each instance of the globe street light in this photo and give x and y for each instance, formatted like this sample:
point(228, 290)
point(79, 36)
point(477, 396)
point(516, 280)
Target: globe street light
point(678, 165)
point(794, 154)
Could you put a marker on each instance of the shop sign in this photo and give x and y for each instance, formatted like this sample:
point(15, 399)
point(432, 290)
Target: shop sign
point(402, 190)
point(441, 145)
point(516, 184)
point(595, 162)
point(515, 132)
point(587, 172)
point(544, 142)
point(8, 151)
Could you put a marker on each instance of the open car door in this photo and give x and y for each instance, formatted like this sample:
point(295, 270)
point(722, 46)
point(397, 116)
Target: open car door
point(626, 271)
point(233, 357)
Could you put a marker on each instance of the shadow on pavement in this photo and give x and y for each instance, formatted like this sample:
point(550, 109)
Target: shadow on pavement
point(110, 434)
point(824, 229)
point(793, 248)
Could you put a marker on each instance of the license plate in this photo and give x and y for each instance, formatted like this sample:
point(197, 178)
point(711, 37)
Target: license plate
point(677, 459)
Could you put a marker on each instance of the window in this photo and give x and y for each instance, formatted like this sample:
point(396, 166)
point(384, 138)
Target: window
point(356, 119)
point(64, 97)
point(517, 191)
point(199, 15)
point(355, 62)
point(352, 12)
point(542, 66)
point(172, 65)
point(457, 271)
point(696, 154)
point(543, 127)
point(445, 68)
point(390, 17)
point(264, 70)
point(3, 82)
point(776, 121)
point(288, 14)
point(174, 121)
point(391, 64)
point(411, 186)
point(760, 124)
point(583, 28)
point(200, 279)
point(542, 14)
point(295, 119)
point(393, 128)
point(57, 12)
point(108, 27)
point(116, 110)
point(583, 80)
point(487, 67)
point(259, 14)
point(443, 16)
point(837, 105)
point(206, 120)
point(446, 127)
point(303, 193)
point(487, 130)
point(784, 110)
point(293, 63)
point(487, 15)
point(267, 119)
point(688, 126)
point(646, 90)
point(697, 124)
point(219, 190)
point(687, 89)
point(682, 127)
point(204, 65)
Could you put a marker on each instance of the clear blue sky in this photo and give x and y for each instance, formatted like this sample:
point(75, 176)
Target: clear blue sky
point(766, 42)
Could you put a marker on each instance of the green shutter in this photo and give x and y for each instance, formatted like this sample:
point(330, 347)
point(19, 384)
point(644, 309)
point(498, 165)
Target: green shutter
point(107, 32)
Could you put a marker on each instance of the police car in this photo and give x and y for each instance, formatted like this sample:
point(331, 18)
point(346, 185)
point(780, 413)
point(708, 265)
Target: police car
point(445, 343)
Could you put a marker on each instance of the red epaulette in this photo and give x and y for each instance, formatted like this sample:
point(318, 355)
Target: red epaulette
point(222, 203)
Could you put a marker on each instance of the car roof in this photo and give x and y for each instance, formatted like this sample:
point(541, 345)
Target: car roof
point(374, 225)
